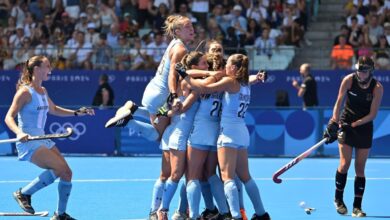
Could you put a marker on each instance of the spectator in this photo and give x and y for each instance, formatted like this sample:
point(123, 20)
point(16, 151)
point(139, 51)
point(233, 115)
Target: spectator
point(39, 9)
point(91, 36)
point(214, 30)
point(66, 25)
point(108, 17)
point(17, 11)
point(264, 45)
point(112, 36)
point(308, 88)
point(342, 54)
point(155, 50)
point(344, 30)
point(15, 40)
point(387, 31)
point(56, 12)
point(354, 13)
point(93, 16)
point(82, 25)
point(24, 52)
point(60, 54)
point(138, 56)
point(253, 32)
point(257, 12)
point(129, 26)
point(375, 30)
point(356, 31)
point(102, 53)
point(231, 42)
point(239, 23)
point(122, 54)
point(160, 15)
point(44, 48)
point(80, 56)
point(200, 9)
point(382, 54)
point(72, 7)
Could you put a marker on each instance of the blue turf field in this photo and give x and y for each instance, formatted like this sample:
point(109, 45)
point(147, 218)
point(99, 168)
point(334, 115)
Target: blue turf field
point(120, 188)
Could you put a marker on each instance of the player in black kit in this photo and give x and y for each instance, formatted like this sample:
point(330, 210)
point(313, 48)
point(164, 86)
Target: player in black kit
point(354, 129)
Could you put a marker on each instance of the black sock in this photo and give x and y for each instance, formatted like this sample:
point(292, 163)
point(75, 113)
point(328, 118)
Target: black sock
point(360, 185)
point(133, 108)
point(341, 181)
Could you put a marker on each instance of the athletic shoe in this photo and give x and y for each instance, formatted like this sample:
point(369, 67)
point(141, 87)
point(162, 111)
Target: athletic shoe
point(179, 216)
point(225, 216)
point(121, 118)
point(341, 208)
point(24, 201)
point(153, 216)
point(265, 216)
point(208, 214)
point(162, 214)
point(358, 212)
point(243, 214)
point(63, 216)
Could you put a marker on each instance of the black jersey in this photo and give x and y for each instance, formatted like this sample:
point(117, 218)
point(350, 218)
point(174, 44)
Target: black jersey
point(358, 103)
point(310, 97)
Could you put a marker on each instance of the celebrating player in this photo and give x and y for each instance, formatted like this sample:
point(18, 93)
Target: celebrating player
point(31, 104)
point(233, 140)
point(363, 95)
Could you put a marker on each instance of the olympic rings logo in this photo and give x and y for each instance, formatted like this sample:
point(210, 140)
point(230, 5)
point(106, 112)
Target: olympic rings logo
point(78, 129)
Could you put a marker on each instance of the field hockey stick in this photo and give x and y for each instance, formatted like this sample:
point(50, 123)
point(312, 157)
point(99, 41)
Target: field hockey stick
point(296, 160)
point(68, 133)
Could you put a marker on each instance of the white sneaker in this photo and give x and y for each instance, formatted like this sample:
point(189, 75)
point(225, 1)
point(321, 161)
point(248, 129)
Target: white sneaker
point(179, 216)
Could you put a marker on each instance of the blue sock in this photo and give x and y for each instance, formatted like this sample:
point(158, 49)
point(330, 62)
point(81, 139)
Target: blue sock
point(207, 195)
point(158, 190)
point(193, 195)
point(46, 178)
point(142, 113)
point(231, 194)
point(240, 192)
point(64, 189)
point(183, 202)
point(169, 192)
point(144, 129)
point(216, 187)
point(254, 195)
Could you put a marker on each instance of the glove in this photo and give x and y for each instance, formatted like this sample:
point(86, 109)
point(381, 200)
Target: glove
point(181, 70)
point(171, 97)
point(82, 111)
point(265, 75)
point(162, 111)
point(330, 132)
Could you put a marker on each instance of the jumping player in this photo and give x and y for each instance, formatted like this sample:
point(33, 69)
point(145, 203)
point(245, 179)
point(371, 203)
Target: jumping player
point(363, 95)
point(31, 104)
point(233, 140)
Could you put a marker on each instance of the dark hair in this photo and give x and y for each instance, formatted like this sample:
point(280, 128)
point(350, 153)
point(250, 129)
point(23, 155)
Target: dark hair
point(191, 58)
point(28, 70)
point(216, 61)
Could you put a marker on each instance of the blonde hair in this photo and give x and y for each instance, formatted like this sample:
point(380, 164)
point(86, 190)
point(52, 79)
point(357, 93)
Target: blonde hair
point(242, 63)
point(172, 23)
point(28, 70)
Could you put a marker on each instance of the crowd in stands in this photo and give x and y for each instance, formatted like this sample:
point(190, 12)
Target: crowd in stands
point(366, 32)
point(127, 34)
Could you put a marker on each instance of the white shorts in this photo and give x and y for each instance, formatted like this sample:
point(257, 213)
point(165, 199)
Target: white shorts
point(27, 149)
point(233, 136)
point(154, 97)
point(204, 135)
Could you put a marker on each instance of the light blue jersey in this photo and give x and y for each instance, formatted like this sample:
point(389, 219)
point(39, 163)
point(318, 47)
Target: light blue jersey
point(176, 134)
point(32, 120)
point(233, 131)
point(205, 130)
point(157, 91)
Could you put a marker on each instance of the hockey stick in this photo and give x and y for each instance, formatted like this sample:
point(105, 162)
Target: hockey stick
point(42, 214)
point(68, 133)
point(295, 161)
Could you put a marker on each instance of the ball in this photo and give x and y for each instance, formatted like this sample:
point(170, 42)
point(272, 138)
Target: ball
point(302, 204)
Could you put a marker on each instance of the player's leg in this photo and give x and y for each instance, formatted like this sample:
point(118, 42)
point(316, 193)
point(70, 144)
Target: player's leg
point(361, 155)
point(195, 161)
point(227, 160)
point(177, 162)
point(345, 152)
point(181, 212)
point(242, 170)
point(55, 161)
point(159, 185)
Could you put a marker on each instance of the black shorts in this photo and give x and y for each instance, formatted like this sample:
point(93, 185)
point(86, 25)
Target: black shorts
point(358, 137)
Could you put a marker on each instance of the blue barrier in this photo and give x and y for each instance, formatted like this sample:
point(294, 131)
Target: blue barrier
point(75, 88)
point(272, 132)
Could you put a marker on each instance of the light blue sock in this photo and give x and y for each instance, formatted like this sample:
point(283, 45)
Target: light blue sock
point(142, 113)
point(254, 195)
point(158, 190)
point(183, 202)
point(144, 129)
point(240, 191)
point(231, 194)
point(193, 195)
point(169, 192)
point(64, 189)
point(207, 195)
point(216, 187)
point(46, 178)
